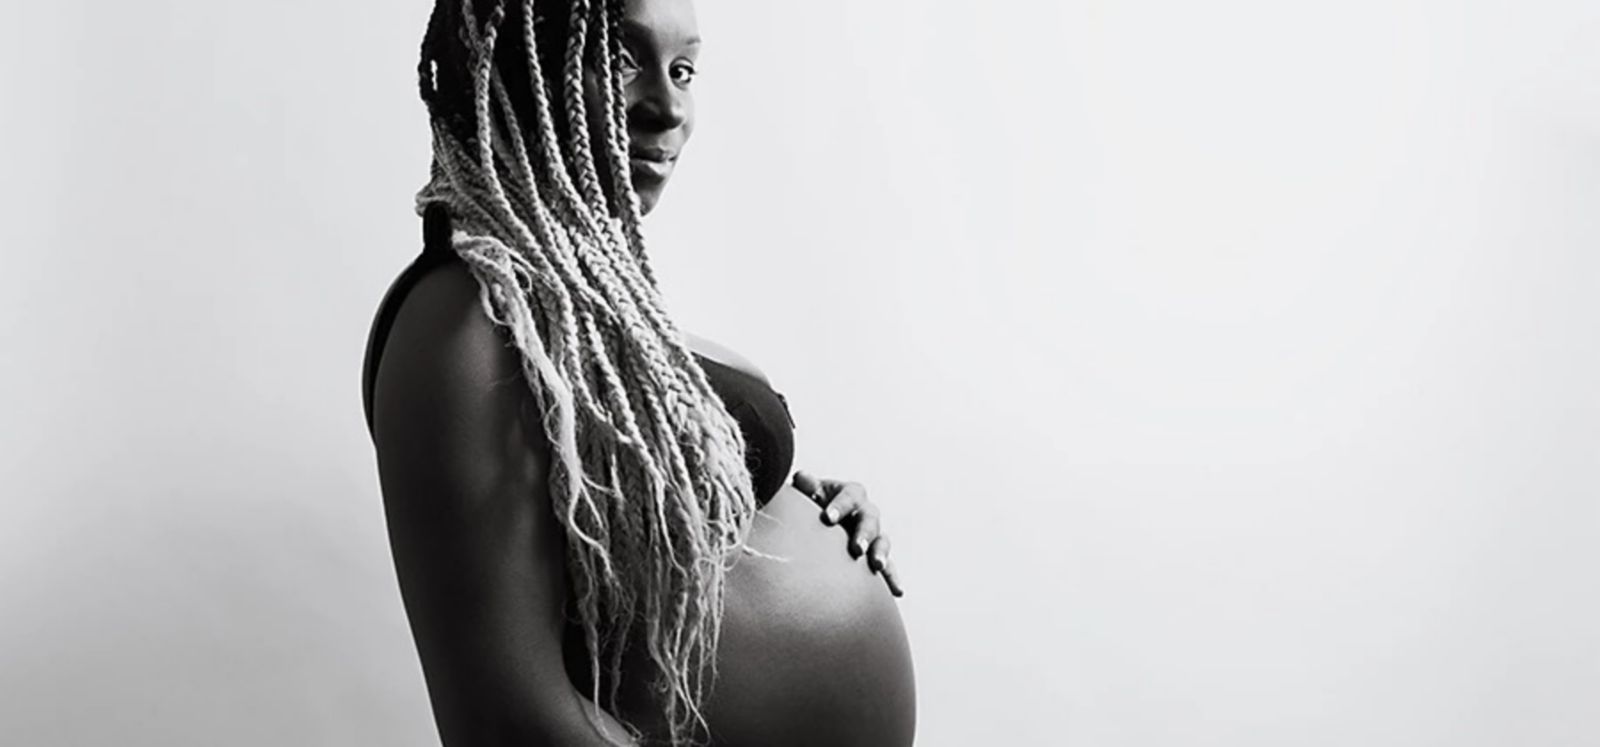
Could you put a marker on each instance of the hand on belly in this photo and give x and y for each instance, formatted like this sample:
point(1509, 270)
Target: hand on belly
point(813, 650)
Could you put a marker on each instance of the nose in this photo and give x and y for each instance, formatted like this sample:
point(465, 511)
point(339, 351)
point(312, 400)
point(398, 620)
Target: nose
point(660, 104)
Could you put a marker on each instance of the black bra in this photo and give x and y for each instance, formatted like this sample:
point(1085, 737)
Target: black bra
point(762, 412)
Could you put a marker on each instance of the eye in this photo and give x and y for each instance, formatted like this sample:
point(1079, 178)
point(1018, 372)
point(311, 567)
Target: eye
point(627, 64)
point(683, 73)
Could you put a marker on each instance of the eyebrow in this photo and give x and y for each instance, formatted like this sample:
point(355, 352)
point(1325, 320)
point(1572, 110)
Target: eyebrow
point(641, 32)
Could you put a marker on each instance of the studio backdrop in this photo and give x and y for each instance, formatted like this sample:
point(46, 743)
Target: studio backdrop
point(1226, 371)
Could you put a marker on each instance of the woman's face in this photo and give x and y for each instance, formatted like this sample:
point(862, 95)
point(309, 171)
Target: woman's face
point(660, 43)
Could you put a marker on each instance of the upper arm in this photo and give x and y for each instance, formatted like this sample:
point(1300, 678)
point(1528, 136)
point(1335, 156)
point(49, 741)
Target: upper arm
point(478, 552)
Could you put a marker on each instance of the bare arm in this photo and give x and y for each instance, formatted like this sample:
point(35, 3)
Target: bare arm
point(478, 552)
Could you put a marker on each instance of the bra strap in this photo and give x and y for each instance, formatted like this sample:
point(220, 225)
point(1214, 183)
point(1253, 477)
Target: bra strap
point(436, 228)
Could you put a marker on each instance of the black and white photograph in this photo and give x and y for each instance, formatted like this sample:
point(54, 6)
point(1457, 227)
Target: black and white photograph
point(493, 373)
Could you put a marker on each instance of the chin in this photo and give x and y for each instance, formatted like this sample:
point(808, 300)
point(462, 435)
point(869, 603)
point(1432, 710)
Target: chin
point(647, 198)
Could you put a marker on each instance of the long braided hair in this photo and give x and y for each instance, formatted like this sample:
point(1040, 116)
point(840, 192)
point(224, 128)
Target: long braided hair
point(648, 476)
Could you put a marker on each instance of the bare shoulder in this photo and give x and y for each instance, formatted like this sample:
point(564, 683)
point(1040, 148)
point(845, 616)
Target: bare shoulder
point(441, 321)
point(724, 355)
point(448, 377)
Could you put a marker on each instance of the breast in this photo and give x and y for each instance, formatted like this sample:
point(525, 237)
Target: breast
point(813, 650)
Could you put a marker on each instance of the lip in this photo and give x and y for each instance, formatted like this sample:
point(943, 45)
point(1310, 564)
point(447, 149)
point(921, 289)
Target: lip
point(652, 153)
point(654, 162)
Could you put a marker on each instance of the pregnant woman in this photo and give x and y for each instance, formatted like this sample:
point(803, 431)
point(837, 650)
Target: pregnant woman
point(591, 513)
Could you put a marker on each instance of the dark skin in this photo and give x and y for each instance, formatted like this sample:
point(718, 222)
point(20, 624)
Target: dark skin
point(811, 653)
point(661, 47)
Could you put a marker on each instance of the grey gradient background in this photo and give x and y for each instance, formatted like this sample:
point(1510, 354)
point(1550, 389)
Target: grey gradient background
point(1227, 370)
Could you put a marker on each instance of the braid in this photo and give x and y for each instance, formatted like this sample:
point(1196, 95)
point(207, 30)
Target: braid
point(616, 124)
point(648, 476)
point(577, 116)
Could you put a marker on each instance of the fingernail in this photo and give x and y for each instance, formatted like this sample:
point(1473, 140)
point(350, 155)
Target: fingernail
point(832, 514)
point(861, 547)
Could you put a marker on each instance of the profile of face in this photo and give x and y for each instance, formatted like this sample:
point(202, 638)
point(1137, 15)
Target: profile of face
point(660, 44)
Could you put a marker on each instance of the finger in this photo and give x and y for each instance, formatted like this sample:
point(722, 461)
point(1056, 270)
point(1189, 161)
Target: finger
point(863, 530)
point(844, 500)
point(878, 553)
point(807, 483)
point(891, 576)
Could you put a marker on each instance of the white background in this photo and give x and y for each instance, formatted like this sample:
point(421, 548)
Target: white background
point(1227, 370)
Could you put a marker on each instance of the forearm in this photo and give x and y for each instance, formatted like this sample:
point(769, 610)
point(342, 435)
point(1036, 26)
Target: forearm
point(557, 719)
point(575, 725)
point(513, 702)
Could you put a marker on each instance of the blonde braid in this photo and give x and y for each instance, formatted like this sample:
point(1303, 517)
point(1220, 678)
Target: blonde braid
point(648, 476)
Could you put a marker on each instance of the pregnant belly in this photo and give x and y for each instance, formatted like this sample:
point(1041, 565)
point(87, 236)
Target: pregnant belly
point(813, 650)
